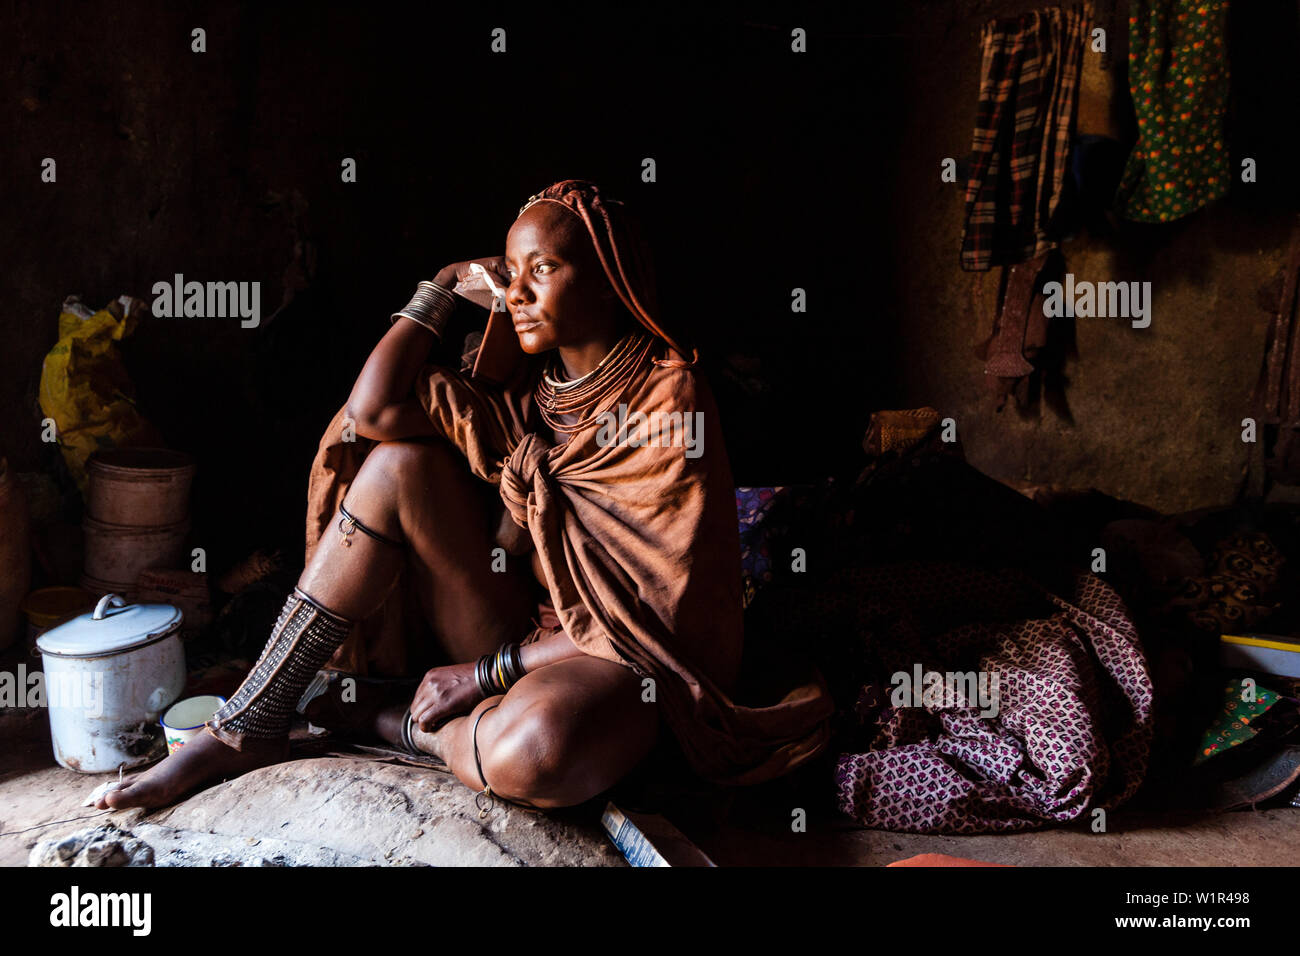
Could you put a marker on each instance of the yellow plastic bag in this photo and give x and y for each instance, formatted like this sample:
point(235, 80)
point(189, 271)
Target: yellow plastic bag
point(85, 388)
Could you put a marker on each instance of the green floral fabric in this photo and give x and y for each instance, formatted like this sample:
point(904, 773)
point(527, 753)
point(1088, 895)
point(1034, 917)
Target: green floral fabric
point(1178, 75)
point(1233, 725)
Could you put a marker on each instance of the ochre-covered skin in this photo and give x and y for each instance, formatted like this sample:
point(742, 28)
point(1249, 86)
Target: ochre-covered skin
point(636, 543)
point(639, 547)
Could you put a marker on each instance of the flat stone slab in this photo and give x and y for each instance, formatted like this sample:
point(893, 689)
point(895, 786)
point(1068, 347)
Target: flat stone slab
point(331, 811)
point(319, 811)
point(384, 814)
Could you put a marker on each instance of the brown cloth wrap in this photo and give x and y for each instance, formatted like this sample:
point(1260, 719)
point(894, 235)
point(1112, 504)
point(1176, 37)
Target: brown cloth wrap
point(641, 552)
point(640, 548)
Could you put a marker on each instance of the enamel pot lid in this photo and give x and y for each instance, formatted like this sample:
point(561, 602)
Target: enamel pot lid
point(113, 627)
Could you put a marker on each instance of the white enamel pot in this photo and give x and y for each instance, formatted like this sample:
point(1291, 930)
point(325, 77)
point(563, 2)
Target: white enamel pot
point(109, 675)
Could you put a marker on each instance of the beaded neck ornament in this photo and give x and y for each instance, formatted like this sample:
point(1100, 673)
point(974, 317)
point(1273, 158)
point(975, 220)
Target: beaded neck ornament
point(598, 389)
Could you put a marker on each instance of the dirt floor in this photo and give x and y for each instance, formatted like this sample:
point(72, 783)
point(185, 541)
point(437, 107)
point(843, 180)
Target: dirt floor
point(360, 812)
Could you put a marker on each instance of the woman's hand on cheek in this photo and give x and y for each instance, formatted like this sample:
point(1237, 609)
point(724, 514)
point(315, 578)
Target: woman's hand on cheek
point(448, 276)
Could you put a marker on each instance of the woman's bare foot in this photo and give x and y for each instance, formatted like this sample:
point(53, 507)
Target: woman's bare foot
point(202, 760)
point(372, 708)
point(357, 707)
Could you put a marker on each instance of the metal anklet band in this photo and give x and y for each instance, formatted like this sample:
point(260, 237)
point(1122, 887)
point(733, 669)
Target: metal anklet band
point(348, 524)
point(408, 738)
point(305, 636)
point(483, 811)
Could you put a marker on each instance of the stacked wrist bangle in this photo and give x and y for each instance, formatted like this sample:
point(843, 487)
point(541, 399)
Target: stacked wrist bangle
point(431, 306)
point(497, 673)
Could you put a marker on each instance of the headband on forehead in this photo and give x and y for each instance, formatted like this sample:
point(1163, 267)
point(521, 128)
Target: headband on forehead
point(623, 252)
point(536, 198)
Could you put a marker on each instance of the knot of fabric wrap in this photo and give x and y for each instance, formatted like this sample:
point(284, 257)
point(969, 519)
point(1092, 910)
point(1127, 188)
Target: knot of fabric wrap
point(519, 472)
point(623, 252)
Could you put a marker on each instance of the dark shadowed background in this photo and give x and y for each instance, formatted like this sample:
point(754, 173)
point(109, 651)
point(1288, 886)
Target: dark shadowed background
point(774, 171)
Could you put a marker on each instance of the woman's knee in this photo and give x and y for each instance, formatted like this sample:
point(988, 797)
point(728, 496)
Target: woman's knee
point(530, 757)
point(566, 741)
point(409, 462)
point(410, 476)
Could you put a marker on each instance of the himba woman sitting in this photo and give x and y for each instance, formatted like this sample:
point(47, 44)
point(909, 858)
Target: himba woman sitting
point(616, 622)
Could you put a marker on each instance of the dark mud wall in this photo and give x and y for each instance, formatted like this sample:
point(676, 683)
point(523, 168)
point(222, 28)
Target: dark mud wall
point(1152, 415)
point(774, 171)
